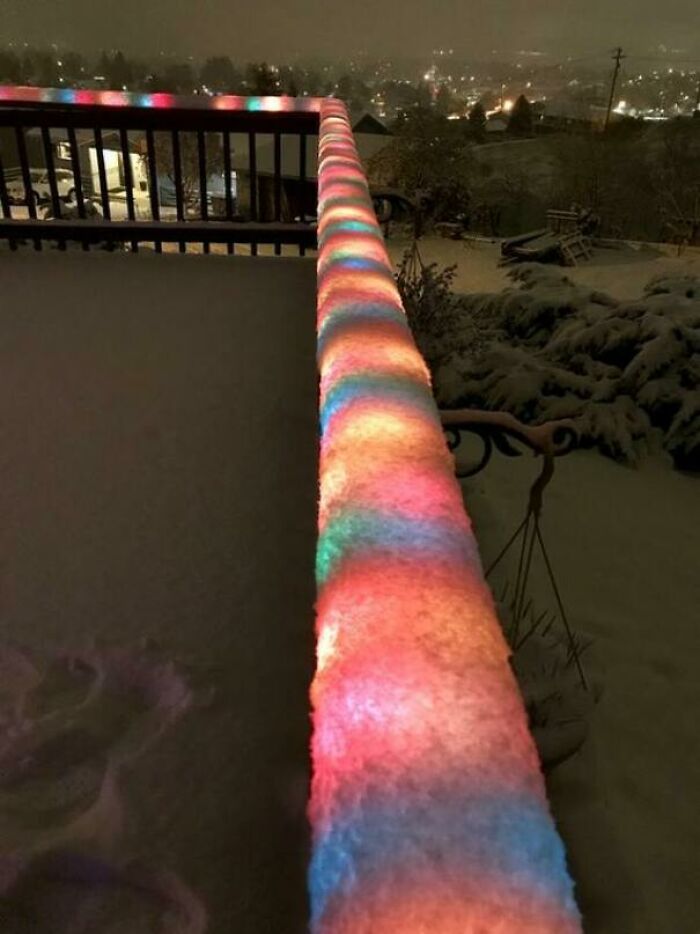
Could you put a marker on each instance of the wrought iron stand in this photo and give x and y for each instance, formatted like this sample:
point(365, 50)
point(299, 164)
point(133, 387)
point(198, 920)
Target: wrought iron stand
point(551, 440)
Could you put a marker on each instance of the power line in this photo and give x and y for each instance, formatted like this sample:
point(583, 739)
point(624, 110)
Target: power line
point(617, 57)
point(668, 60)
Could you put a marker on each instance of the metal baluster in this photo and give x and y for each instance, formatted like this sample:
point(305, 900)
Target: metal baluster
point(102, 173)
point(77, 178)
point(228, 170)
point(4, 196)
point(153, 182)
point(5, 201)
point(302, 186)
point(202, 153)
point(177, 171)
point(27, 179)
point(51, 173)
point(278, 187)
point(253, 174)
point(128, 181)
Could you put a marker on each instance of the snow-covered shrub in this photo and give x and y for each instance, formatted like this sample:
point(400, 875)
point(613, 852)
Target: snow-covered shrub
point(547, 349)
point(434, 311)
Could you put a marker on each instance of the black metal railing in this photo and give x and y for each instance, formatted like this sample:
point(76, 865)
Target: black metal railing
point(68, 174)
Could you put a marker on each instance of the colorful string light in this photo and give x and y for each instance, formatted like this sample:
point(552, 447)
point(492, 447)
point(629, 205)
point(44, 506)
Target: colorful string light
point(428, 807)
point(30, 95)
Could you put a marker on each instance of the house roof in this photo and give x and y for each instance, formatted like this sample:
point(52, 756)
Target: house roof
point(368, 123)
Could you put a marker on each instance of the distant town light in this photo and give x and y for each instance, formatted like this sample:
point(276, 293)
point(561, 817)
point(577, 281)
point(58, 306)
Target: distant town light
point(508, 105)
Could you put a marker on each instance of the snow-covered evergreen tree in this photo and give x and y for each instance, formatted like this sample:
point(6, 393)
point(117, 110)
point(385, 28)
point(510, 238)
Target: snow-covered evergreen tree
point(625, 371)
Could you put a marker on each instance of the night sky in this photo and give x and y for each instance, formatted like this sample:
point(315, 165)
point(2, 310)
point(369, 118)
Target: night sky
point(282, 29)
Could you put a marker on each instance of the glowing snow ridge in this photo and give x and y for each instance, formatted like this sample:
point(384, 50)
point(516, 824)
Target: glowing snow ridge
point(428, 807)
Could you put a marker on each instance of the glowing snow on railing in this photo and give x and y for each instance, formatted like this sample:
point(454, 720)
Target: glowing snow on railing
point(27, 95)
point(428, 808)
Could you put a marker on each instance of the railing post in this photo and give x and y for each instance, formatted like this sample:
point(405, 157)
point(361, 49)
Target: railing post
point(202, 159)
point(77, 176)
point(228, 171)
point(27, 179)
point(253, 176)
point(153, 182)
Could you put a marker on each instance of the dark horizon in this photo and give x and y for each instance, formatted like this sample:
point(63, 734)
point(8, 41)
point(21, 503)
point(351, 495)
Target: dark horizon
point(388, 28)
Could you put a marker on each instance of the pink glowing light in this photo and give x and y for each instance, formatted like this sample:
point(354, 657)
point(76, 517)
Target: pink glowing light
point(87, 98)
point(113, 99)
point(163, 101)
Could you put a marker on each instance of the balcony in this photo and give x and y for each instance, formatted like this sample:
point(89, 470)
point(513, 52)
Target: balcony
point(164, 502)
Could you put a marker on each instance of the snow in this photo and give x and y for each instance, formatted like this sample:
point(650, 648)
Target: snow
point(158, 497)
point(158, 488)
point(624, 543)
point(621, 272)
point(548, 348)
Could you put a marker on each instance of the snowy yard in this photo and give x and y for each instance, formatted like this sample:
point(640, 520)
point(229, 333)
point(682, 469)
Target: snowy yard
point(622, 273)
point(625, 544)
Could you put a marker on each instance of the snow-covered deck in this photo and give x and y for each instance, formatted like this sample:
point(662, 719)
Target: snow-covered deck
point(158, 483)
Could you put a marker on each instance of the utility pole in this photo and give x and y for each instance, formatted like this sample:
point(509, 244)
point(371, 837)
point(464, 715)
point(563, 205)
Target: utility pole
point(617, 58)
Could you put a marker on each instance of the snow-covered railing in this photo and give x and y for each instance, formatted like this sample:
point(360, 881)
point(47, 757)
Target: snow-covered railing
point(428, 807)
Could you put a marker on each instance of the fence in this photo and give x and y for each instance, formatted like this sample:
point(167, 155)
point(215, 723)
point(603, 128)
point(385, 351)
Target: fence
point(78, 153)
